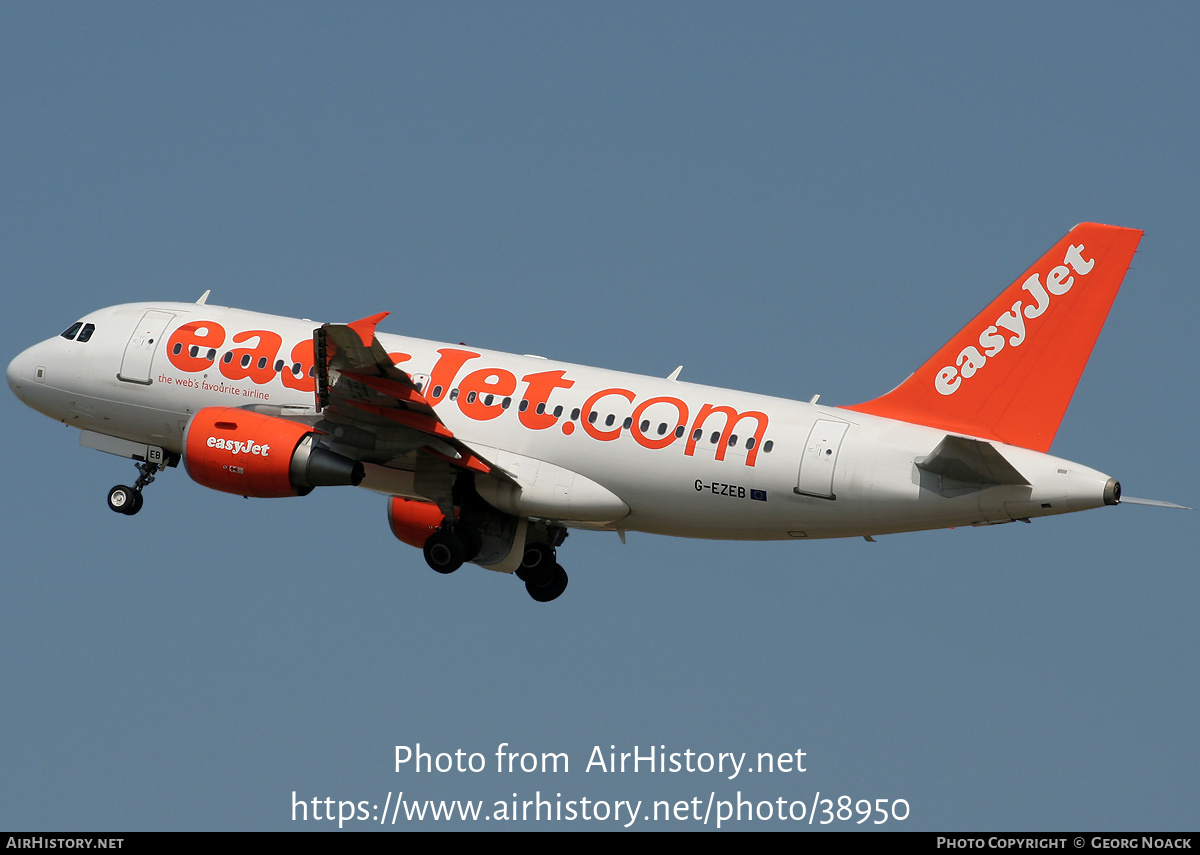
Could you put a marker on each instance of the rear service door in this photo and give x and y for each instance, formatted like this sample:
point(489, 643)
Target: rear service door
point(820, 458)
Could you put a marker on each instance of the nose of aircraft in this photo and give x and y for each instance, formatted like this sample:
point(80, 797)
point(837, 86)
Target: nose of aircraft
point(26, 374)
point(20, 373)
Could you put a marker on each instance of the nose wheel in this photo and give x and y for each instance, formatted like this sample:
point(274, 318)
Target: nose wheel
point(128, 500)
point(124, 500)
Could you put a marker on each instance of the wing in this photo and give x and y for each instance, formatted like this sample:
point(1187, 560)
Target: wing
point(374, 412)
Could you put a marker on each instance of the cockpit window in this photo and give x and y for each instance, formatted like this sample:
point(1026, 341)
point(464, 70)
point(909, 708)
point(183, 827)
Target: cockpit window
point(86, 333)
point(69, 332)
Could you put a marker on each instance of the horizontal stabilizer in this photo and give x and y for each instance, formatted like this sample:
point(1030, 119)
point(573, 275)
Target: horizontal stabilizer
point(972, 461)
point(1154, 503)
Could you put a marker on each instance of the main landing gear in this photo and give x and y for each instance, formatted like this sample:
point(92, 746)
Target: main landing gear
point(450, 547)
point(128, 500)
point(544, 577)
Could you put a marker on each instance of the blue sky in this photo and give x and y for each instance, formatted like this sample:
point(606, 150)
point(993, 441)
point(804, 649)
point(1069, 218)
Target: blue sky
point(788, 198)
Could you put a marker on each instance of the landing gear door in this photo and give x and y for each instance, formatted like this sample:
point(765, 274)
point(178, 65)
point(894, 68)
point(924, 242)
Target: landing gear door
point(139, 352)
point(820, 459)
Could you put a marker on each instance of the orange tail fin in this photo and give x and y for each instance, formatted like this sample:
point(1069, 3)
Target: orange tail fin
point(1010, 373)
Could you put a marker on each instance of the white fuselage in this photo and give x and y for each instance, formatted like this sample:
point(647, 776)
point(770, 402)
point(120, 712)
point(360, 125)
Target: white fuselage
point(686, 459)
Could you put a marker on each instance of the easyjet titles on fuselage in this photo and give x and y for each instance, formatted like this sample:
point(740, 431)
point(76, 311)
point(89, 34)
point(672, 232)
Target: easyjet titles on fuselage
point(479, 392)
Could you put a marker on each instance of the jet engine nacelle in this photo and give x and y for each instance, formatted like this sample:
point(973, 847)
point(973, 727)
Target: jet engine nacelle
point(499, 534)
point(251, 454)
point(413, 520)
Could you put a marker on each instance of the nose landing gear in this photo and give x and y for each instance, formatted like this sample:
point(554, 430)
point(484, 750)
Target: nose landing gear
point(128, 500)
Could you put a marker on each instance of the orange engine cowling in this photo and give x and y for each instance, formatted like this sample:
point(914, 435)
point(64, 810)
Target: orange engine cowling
point(488, 535)
point(251, 454)
point(413, 520)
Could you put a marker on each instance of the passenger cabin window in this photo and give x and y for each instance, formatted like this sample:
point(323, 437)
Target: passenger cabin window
point(69, 332)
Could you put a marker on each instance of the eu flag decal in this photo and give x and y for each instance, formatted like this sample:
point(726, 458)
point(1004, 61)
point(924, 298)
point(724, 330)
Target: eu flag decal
point(758, 495)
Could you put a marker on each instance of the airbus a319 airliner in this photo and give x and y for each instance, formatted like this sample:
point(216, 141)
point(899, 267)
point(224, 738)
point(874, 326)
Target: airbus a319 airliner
point(490, 457)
